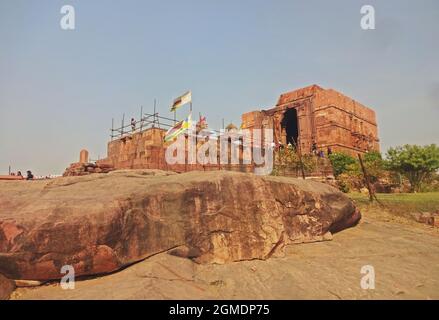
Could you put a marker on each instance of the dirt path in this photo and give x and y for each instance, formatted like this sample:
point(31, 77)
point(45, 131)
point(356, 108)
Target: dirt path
point(405, 258)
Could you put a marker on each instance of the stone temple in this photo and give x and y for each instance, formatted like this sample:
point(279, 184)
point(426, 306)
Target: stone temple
point(305, 117)
point(324, 116)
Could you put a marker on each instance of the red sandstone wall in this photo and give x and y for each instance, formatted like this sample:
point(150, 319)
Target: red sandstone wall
point(298, 94)
point(353, 125)
point(146, 150)
point(325, 116)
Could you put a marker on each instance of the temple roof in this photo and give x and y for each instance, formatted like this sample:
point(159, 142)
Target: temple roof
point(298, 94)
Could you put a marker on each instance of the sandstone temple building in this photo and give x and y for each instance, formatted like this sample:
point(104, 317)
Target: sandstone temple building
point(306, 118)
point(322, 116)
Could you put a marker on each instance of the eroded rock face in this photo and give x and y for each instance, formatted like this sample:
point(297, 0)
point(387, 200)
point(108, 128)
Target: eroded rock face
point(6, 287)
point(100, 223)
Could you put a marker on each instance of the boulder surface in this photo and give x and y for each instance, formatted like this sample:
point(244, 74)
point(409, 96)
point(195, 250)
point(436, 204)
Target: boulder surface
point(103, 222)
point(6, 287)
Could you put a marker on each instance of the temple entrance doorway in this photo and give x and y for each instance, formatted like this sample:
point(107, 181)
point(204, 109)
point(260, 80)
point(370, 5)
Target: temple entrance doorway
point(291, 126)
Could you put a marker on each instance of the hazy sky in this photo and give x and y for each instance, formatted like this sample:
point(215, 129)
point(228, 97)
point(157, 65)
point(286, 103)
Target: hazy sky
point(59, 89)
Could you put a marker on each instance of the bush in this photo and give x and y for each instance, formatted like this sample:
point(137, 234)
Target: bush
point(288, 159)
point(341, 162)
point(431, 183)
point(344, 183)
point(349, 174)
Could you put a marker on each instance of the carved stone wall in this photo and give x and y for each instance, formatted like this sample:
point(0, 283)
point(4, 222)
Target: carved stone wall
point(324, 116)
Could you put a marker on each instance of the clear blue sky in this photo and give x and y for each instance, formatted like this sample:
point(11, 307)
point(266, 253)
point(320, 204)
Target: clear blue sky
point(59, 89)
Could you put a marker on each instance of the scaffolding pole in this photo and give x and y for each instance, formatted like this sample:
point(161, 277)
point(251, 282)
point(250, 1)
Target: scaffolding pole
point(141, 121)
point(112, 128)
point(123, 123)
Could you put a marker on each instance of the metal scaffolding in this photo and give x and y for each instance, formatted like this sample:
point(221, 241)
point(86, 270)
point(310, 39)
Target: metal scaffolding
point(147, 121)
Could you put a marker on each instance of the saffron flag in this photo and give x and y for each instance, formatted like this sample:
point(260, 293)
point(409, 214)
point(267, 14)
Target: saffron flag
point(202, 124)
point(182, 100)
point(178, 129)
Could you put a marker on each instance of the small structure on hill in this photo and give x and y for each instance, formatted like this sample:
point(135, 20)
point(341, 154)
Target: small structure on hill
point(85, 167)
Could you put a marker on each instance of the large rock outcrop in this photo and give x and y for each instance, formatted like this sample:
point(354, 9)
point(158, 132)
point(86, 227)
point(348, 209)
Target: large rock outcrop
point(101, 223)
point(6, 287)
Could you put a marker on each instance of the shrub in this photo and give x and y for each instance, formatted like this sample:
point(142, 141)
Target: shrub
point(341, 162)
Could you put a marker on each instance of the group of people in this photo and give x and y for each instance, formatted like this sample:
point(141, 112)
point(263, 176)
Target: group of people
point(314, 149)
point(320, 153)
point(29, 175)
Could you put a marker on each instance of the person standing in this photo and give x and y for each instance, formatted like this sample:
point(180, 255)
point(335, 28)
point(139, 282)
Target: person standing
point(281, 145)
point(29, 176)
point(314, 148)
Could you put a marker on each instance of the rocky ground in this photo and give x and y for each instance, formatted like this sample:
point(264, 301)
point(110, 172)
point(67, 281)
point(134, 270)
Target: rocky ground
point(217, 235)
point(7, 286)
point(405, 257)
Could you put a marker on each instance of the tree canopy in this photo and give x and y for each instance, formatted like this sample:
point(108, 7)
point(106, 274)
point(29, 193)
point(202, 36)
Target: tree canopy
point(414, 162)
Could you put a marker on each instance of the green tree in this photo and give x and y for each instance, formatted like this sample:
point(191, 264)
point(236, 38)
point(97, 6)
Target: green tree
point(374, 163)
point(373, 157)
point(414, 162)
point(341, 162)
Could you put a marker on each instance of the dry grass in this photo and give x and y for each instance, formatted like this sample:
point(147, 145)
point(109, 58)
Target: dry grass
point(397, 206)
